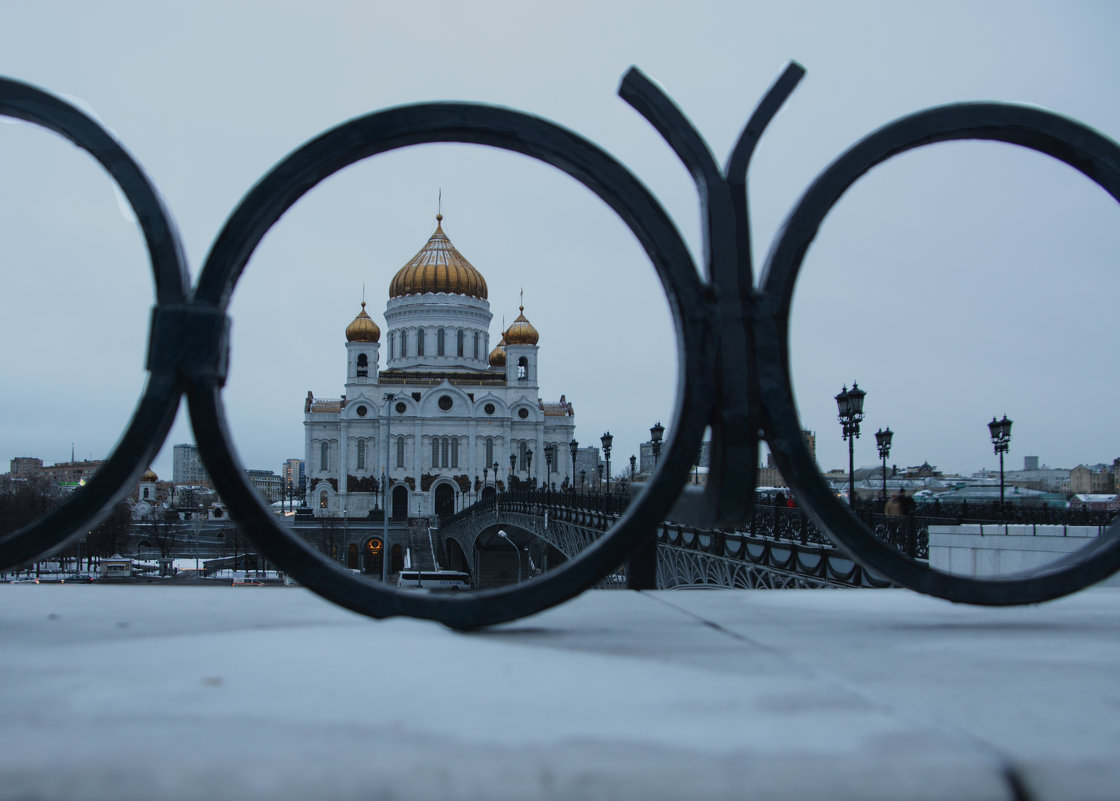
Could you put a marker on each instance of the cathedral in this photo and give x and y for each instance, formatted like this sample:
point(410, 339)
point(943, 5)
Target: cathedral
point(447, 420)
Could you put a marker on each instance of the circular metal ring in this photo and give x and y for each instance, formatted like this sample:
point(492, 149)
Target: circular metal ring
point(156, 410)
point(1092, 154)
point(507, 130)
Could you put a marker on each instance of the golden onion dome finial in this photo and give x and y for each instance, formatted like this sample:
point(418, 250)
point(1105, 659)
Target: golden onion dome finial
point(363, 328)
point(522, 332)
point(438, 267)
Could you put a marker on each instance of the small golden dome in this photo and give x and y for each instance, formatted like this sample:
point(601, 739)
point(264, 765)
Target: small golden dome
point(363, 329)
point(521, 332)
point(150, 476)
point(438, 267)
point(498, 355)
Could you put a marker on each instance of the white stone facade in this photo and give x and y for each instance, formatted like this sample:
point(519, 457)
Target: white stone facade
point(453, 415)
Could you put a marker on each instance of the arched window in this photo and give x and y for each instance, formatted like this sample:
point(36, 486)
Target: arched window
point(439, 342)
point(420, 342)
point(363, 365)
point(400, 451)
point(323, 499)
point(454, 451)
point(361, 454)
point(392, 344)
point(459, 342)
point(489, 451)
point(522, 448)
point(476, 344)
point(435, 452)
point(146, 490)
point(444, 448)
point(324, 456)
point(522, 369)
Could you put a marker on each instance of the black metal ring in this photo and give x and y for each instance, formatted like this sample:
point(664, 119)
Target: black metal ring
point(1087, 151)
point(153, 416)
point(396, 128)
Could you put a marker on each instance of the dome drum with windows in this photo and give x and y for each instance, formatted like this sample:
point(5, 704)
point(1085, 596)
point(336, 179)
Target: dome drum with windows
point(458, 406)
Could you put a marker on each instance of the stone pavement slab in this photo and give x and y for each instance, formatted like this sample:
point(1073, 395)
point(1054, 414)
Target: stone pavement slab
point(146, 692)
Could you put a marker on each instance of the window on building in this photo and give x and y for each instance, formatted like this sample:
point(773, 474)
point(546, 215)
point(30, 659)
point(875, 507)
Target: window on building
point(146, 493)
point(363, 365)
point(324, 456)
point(435, 452)
point(454, 451)
point(439, 342)
point(444, 450)
point(361, 454)
point(476, 344)
point(392, 344)
point(489, 451)
point(420, 342)
point(459, 342)
point(323, 499)
point(522, 369)
point(522, 449)
point(400, 451)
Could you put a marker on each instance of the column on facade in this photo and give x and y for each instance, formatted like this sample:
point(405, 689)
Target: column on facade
point(343, 463)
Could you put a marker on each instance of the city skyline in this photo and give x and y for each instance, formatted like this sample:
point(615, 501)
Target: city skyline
point(880, 299)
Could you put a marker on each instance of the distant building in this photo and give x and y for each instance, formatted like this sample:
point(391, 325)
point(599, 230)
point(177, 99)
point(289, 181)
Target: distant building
point(267, 483)
point(26, 466)
point(1092, 480)
point(294, 475)
point(187, 467)
point(72, 473)
point(1030, 462)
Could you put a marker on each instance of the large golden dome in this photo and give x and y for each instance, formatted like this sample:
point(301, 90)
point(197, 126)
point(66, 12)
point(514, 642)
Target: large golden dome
point(521, 332)
point(149, 476)
point(363, 329)
point(438, 267)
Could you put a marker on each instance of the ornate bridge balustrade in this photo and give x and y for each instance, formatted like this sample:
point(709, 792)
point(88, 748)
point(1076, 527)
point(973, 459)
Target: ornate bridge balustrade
point(780, 548)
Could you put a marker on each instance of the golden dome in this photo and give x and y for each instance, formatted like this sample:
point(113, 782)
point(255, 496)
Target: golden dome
point(521, 332)
point(363, 329)
point(498, 355)
point(149, 475)
point(438, 267)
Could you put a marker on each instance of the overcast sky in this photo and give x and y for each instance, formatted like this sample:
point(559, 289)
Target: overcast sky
point(955, 283)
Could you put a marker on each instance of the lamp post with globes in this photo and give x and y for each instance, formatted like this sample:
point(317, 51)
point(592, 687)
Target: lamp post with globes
point(656, 432)
point(883, 440)
point(849, 402)
point(1000, 431)
point(549, 456)
point(512, 467)
point(607, 441)
point(529, 468)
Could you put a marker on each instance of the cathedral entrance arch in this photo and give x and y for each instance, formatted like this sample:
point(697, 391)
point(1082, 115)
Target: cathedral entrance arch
point(400, 503)
point(445, 501)
point(488, 493)
point(373, 555)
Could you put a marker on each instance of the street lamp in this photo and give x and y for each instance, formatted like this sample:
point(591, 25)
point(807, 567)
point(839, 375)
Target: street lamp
point(1000, 431)
point(512, 467)
point(656, 432)
point(549, 455)
point(573, 449)
point(607, 440)
point(850, 404)
point(633, 466)
point(883, 440)
point(516, 551)
point(529, 467)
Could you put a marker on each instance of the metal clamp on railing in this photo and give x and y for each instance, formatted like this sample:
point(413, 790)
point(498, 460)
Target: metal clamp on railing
point(191, 340)
point(734, 373)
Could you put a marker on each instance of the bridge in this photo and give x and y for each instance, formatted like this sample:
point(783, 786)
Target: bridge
point(780, 548)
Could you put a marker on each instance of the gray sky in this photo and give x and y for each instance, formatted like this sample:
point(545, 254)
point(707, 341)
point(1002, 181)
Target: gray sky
point(955, 283)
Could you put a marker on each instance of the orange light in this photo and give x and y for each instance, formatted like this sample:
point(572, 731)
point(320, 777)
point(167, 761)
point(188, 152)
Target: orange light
point(374, 547)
